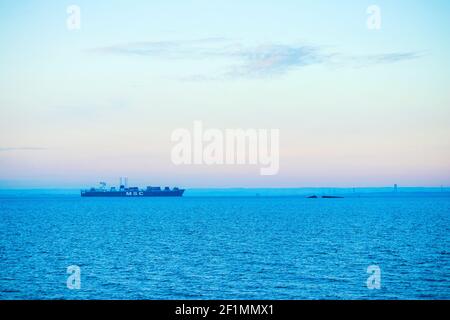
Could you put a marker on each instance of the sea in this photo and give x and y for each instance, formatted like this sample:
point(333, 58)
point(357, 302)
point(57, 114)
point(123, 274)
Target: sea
point(225, 244)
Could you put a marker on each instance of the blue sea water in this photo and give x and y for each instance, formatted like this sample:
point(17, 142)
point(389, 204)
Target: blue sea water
point(230, 247)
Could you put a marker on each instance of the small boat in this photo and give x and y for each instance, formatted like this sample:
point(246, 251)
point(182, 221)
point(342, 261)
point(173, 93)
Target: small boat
point(324, 197)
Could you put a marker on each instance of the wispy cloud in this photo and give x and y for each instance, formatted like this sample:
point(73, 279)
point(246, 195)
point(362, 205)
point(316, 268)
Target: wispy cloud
point(251, 61)
point(276, 59)
point(198, 48)
point(393, 57)
point(377, 59)
point(5, 149)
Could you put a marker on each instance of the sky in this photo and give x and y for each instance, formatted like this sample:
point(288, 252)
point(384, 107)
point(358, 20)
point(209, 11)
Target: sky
point(355, 106)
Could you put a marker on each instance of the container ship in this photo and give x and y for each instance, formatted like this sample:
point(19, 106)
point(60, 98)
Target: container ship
point(125, 191)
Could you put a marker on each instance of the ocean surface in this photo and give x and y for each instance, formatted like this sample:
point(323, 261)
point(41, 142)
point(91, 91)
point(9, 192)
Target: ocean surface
point(224, 247)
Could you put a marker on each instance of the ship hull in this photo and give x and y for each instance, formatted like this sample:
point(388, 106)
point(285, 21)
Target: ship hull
point(133, 194)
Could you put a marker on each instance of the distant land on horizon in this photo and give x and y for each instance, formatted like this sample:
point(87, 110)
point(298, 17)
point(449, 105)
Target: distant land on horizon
point(263, 192)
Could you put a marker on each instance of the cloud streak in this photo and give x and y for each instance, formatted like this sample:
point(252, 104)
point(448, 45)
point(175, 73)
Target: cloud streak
point(393, 57)
point(251, 61)
point(276, 59)
point(6, 149)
